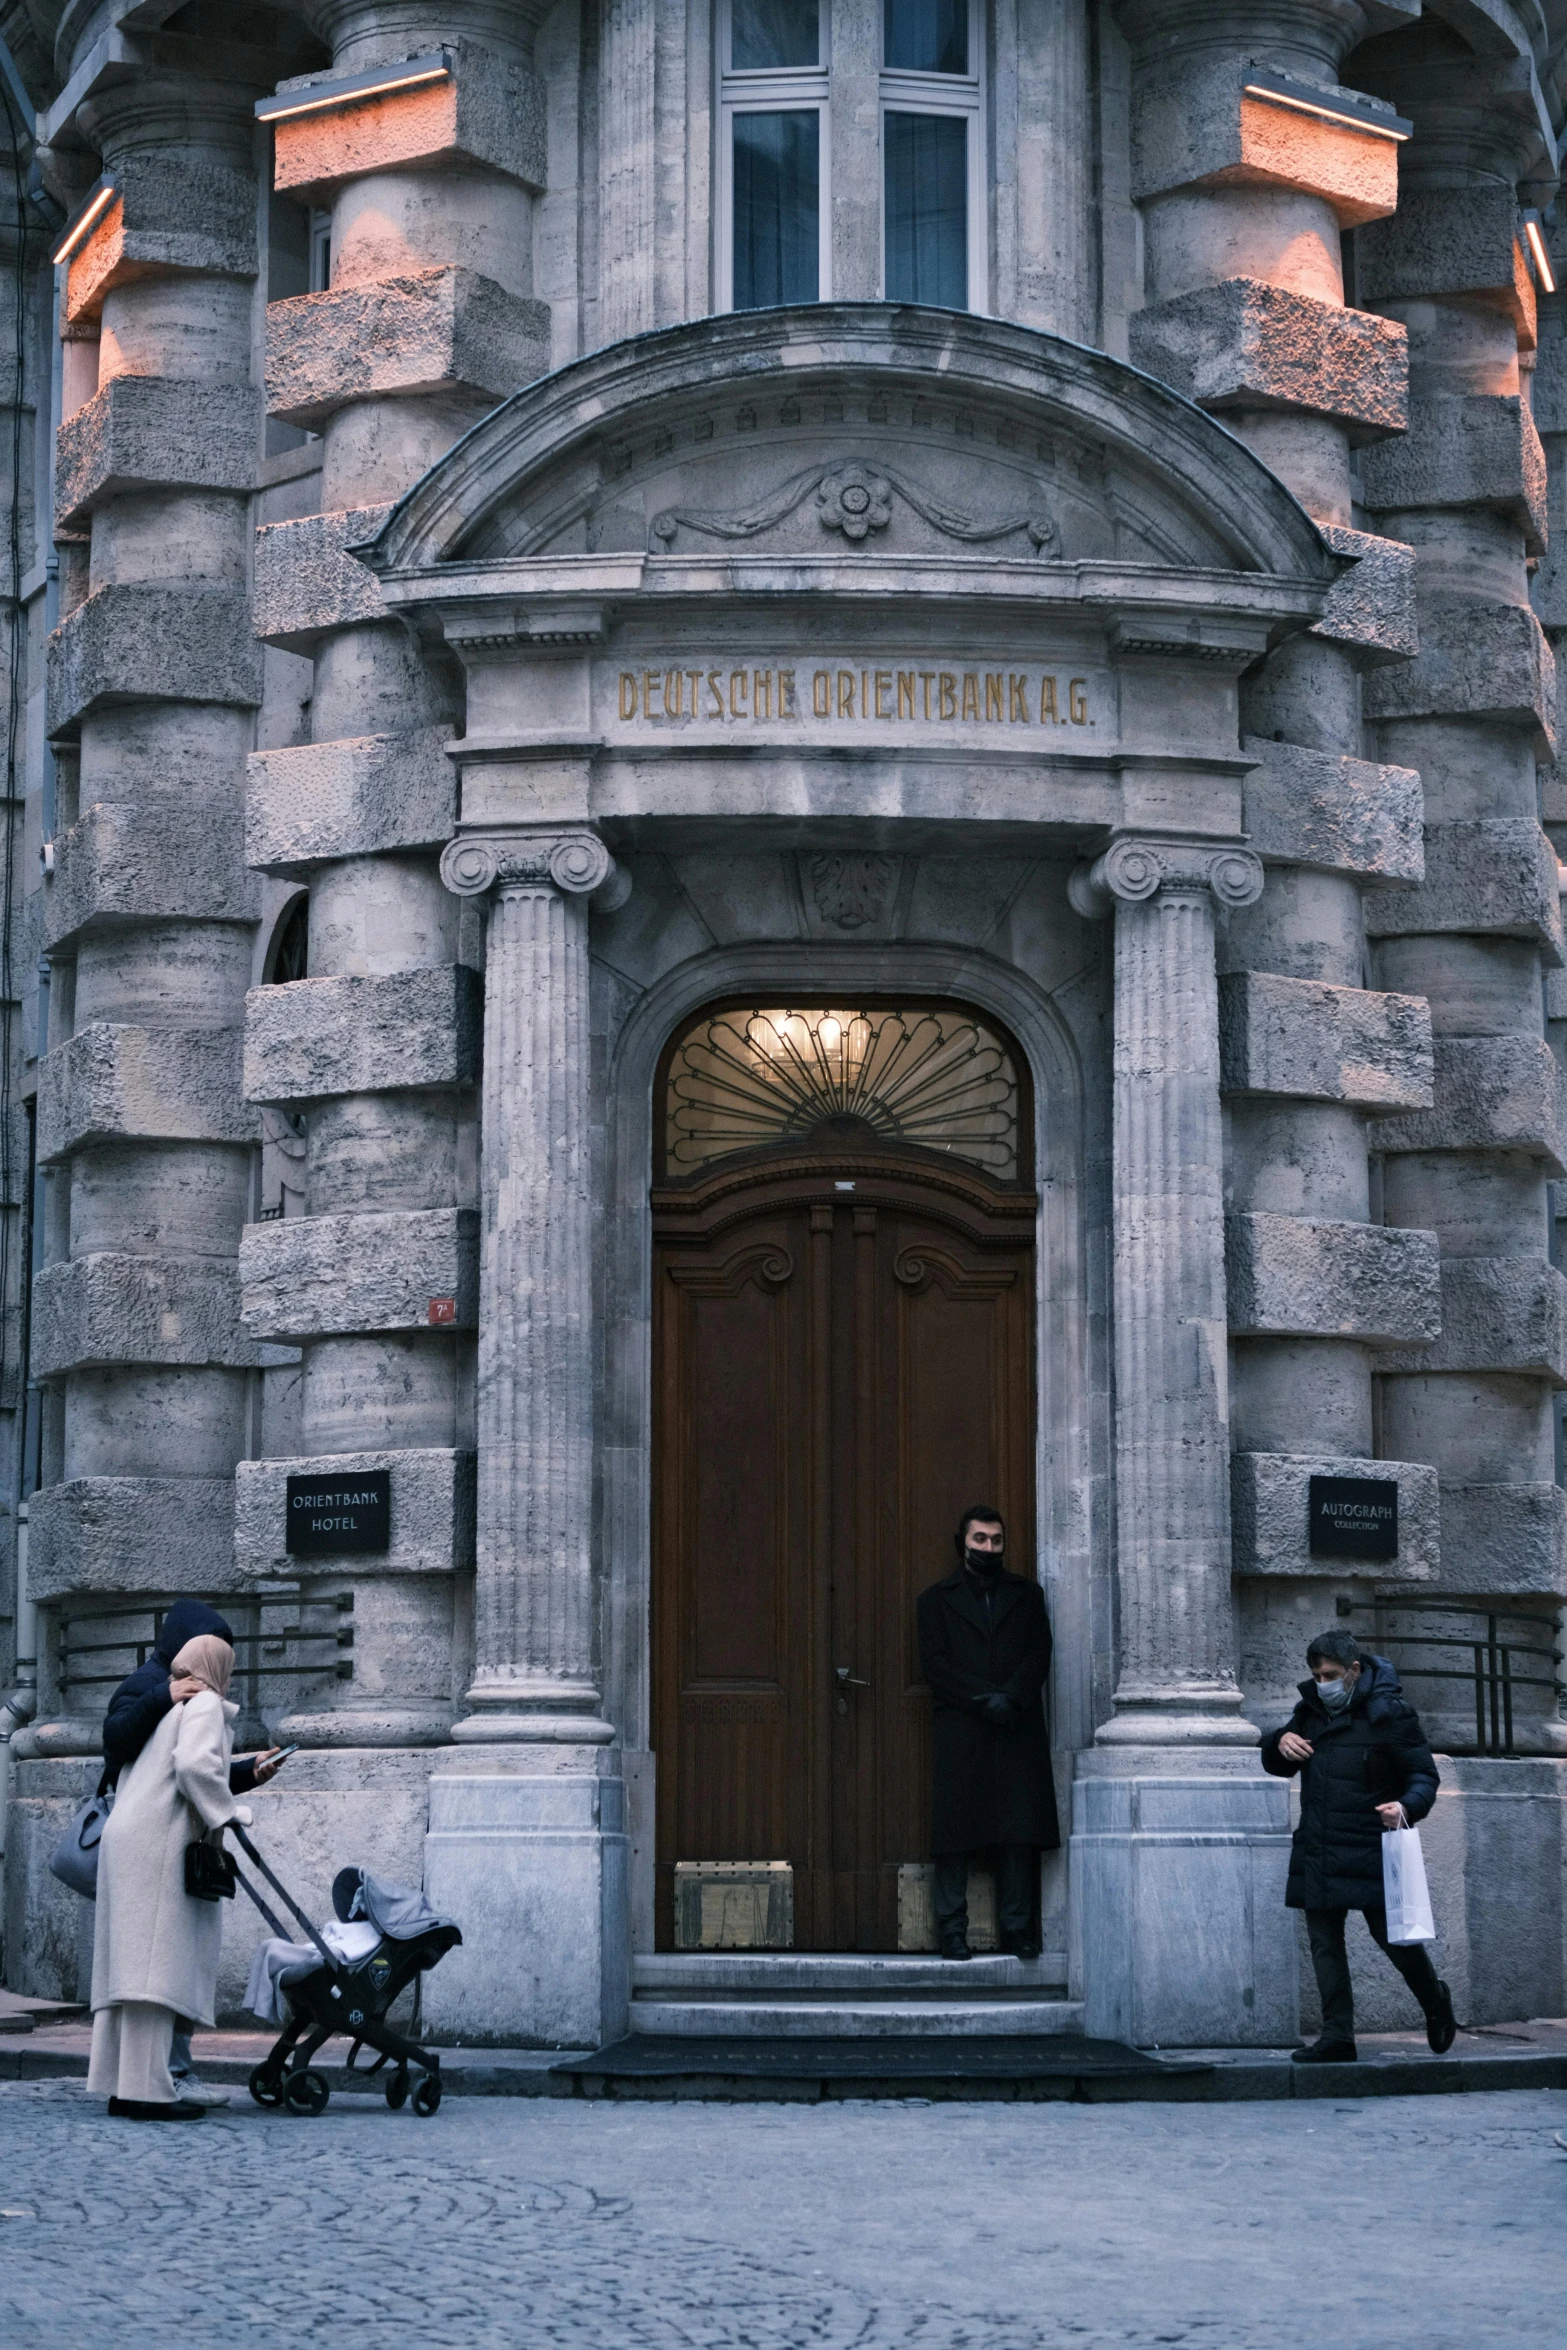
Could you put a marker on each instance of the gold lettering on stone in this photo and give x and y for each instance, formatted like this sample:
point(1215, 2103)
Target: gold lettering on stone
point(931, 697)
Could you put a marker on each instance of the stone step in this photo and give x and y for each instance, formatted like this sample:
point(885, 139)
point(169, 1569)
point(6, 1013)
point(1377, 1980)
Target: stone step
point(722, 1973)
point(852, 2019)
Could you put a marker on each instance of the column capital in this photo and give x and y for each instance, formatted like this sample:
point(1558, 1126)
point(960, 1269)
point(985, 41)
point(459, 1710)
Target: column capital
point(571, 859)
point(1135, 868)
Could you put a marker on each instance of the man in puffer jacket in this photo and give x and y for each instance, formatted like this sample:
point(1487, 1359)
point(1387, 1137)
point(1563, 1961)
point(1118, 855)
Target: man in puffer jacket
point(1365, 1768)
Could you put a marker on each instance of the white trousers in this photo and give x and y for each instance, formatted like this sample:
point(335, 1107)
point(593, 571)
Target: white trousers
point(130, 2053)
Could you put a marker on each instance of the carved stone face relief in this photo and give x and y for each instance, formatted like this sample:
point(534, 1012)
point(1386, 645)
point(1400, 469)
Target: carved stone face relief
point(852, 892)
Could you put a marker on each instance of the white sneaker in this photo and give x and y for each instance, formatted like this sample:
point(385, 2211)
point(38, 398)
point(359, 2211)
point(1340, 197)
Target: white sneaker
point(199, 2093)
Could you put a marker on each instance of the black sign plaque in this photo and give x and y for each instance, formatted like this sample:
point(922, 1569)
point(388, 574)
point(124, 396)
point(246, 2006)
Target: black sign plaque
point(330, 1515)
point(1354, 1517)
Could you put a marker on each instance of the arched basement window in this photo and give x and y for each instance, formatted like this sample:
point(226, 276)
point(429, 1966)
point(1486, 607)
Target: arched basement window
point(934, 1076)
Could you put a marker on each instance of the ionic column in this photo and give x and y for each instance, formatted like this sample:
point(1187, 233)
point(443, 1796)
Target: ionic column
point(1177, 1651)
point(533, 1606)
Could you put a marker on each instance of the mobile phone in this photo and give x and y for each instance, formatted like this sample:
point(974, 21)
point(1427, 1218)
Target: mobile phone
point(282, 1755)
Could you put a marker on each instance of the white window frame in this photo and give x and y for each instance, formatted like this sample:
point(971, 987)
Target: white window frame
point(963, 95)
point(795, 89)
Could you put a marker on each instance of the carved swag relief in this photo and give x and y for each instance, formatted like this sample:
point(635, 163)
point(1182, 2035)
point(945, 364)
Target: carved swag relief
point(855, 500)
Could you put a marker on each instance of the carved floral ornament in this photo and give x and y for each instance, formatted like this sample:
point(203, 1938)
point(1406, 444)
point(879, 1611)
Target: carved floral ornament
point(1132, 871)
point(856, 499)
point(576, 863)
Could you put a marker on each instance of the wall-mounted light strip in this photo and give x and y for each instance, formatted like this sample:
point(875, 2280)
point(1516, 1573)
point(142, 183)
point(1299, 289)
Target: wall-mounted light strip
point(1341, 106)
point(81, 224)
point(407, 73)
point(1539, 251)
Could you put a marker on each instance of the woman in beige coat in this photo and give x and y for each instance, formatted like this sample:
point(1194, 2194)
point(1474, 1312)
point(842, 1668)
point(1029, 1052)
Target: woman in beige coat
point(155, 1947)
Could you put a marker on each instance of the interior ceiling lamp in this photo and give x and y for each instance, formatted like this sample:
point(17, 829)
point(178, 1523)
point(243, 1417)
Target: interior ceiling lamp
point(404, 73)
point(1539, 251)
point(85, 219)
point(1345, 107)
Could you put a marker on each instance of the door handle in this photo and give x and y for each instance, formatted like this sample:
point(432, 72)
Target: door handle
point(848, 1680)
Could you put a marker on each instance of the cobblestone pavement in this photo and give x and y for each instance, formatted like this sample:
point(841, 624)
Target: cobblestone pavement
point(1431, 2222)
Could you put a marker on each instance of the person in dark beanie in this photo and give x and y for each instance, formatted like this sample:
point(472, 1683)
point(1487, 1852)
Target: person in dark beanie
point(1365, 1768)
point(985, 1651)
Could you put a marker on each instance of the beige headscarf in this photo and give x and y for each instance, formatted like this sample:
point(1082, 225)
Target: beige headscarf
point(206, 1659)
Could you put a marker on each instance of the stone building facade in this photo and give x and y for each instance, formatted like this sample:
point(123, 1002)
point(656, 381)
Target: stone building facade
point(773, 760)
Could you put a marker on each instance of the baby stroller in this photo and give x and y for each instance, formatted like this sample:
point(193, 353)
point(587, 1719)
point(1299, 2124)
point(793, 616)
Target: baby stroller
point(349, 1990)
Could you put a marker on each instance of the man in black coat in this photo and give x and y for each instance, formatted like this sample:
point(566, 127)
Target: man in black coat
point(1365, 1768)
point(985, 1651)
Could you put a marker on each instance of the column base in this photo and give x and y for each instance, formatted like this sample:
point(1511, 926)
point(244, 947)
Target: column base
point(512, 1709)
point(529, 1853)
point(370, 1725)
point(1179, 1934)
point(1196, 1715)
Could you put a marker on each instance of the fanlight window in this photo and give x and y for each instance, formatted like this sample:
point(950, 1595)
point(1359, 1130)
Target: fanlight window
point(939, 1078)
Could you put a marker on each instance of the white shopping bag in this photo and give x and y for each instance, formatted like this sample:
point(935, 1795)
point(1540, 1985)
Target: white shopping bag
point(1404, 1891)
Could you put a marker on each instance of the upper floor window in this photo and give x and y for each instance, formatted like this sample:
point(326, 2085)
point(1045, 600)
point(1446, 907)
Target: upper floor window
point(773, 111)
point(776, 87)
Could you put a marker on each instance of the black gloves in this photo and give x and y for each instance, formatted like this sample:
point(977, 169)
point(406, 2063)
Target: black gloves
point(997, 1710)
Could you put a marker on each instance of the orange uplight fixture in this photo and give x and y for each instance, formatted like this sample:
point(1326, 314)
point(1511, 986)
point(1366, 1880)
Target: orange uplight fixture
point(83, 222)
point(1539, 251)
point(406, 73)
point(1343, 107)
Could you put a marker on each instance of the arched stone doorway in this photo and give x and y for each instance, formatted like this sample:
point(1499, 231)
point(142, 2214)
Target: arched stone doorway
point(843, 1341)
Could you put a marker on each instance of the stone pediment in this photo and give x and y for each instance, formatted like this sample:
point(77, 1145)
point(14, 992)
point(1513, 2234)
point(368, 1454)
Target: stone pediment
point(862, 433)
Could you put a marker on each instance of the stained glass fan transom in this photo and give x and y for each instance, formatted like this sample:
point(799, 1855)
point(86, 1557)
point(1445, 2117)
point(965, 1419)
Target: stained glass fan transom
point(936, 1077)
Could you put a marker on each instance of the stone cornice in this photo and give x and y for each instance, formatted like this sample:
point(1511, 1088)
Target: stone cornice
point(1134, 869)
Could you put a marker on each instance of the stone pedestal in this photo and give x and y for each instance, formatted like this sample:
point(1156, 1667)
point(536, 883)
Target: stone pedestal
point(534, 1862)
point(1179, 1843)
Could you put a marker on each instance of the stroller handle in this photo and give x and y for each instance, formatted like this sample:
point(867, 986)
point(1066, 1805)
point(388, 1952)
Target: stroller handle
point(281, 1890)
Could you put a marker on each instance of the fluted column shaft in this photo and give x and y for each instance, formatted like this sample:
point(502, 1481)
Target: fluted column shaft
point(1177, 1649)
point(534, 1650)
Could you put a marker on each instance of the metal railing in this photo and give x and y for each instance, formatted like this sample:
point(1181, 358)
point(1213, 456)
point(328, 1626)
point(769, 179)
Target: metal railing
point(1494, 1666)
point(82, 1662)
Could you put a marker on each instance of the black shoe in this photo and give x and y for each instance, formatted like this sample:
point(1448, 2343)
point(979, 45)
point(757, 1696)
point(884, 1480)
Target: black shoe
point(1441, 2024)
point(133, 2109)
point(955, 1946)
point(1326, 2052)
point(1020, 1946)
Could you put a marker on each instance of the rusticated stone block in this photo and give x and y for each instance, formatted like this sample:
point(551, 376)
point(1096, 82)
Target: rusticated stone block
point(307, 582)
point(330, 1036)
point(1475, 661)
point(108, 1308)
point(1307, 807)
point(157, 1534)
point(153, 644)
point(489, 111)
point(361, 797)
point(432, 330)
point(149, 863)
point(177, 212)
point(1498, 1314)
point(1247, 344)
point(1504, 1540)
point(1497, 878)
point(1458, 240)
point(1202, 128)
point(1270, 1516)
point(1371, 607)
point(1548, 392)
point(432, 1510)
point(1319, 1043)
point(155, 432)
point(1492, 1093)
point(312, 1275)
point(1474, 449)
point(1302, 1276)
point(111, 1083)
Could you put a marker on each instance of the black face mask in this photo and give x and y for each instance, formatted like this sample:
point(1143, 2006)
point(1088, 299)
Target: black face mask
point(983, 1562)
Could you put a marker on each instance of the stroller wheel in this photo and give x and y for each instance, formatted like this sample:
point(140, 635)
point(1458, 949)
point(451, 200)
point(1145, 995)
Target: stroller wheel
point(265, 2087)
point(397, 2091)
point(428, 2094)
point(307, 2092)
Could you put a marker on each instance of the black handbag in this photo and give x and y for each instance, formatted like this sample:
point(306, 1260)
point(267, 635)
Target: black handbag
point(209, 1872)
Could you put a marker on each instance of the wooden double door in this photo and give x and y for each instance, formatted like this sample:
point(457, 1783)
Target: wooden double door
point(843, 1356)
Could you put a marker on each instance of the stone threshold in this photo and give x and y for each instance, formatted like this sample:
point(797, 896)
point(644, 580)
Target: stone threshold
point(1529, 2055)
